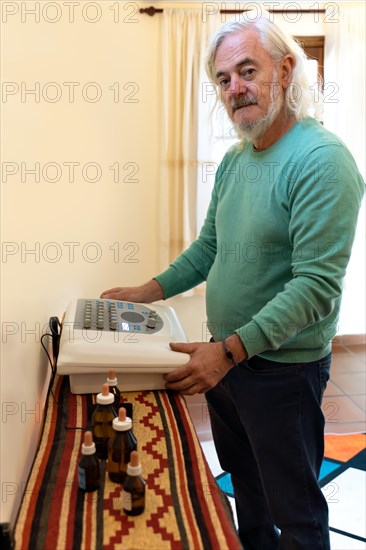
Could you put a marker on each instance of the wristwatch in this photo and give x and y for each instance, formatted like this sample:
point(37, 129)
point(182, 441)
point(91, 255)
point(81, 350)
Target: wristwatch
point(228, 353)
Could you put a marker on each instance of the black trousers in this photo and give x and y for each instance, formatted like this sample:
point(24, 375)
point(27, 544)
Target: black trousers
point(268, 430)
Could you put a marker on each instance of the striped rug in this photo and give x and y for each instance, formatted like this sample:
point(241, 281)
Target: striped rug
point(185, 509)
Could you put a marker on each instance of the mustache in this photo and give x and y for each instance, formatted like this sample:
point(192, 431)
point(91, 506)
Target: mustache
point(242, 101)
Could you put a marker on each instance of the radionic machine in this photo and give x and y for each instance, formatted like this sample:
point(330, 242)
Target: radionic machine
point(131, 338)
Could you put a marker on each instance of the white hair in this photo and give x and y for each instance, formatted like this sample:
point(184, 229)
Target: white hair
point(302, 98)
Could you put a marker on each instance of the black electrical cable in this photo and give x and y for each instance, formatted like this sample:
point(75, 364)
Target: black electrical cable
point(55, 328)
point(46, 350)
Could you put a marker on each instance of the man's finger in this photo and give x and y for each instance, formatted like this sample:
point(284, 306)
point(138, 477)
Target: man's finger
point(182, 347)
point(177, 374)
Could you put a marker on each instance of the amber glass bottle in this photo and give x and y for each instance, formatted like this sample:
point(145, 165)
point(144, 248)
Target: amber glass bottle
point(102, 419)
point(120, 446)
point(134, 488)
point(113, 388)
point(88, 466)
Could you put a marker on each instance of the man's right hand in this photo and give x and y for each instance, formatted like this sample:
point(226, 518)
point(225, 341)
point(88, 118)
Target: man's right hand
point(147, 293)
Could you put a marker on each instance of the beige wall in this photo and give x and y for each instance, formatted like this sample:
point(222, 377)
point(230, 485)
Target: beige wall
point(72, 236)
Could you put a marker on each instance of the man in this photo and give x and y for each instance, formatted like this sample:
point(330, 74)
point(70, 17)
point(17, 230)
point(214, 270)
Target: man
point(274, 249)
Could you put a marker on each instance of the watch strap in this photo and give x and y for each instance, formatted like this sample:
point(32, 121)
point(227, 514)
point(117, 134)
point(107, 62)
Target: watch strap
point(228, 353)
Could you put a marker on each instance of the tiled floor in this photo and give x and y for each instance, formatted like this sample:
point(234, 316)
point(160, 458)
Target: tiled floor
point(344, 408)
point(345, 397)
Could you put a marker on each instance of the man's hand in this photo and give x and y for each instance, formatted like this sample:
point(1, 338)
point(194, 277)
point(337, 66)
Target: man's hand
point(208, 364)
point(147, 293)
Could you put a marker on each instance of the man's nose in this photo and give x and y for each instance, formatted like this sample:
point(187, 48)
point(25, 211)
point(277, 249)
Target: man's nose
point(237, 86)
point(234, 90)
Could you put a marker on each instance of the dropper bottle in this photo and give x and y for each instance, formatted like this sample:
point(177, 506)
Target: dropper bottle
point(134, 487)
point(120, 446)
point(102, 419)
point(88, 465)
point(113, 388)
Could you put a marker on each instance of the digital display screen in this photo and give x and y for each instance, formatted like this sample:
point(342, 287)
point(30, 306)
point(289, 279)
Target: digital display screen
point(125, 326)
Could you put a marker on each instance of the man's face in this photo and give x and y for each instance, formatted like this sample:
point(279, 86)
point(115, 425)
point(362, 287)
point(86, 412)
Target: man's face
point(248, 79)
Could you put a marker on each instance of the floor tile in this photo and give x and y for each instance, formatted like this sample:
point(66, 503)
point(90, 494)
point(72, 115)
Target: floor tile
point(346, 498)
point(349, 428)
point(193, 399)
point(200, 416)
point(347, 363)
point(232, 502)
point(339, 411)
point(327, 468)
point(360, 401)
point(359, 349)
point(211, 457)
point(205, 437)
point(343, 447)
point(341, 542)
point(332, 389)
point(353, 385)
point(224, 481)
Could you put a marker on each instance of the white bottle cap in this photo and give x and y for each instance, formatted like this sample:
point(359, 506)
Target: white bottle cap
point(122, 423)
point(112, 378)
point(88, 447)
point(134, 467)
point(105, 398)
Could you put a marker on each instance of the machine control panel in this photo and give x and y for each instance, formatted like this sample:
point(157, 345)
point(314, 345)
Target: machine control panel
point(116, 316)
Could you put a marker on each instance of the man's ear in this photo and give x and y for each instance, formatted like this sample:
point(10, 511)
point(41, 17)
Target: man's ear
point(286, 66)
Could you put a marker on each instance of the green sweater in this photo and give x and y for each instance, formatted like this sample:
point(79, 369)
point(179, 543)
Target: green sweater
point(275, 244)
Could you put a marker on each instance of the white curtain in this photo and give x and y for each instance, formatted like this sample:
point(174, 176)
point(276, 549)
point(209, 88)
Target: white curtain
point(183, 46)
point(344, 114)
point(344, 78)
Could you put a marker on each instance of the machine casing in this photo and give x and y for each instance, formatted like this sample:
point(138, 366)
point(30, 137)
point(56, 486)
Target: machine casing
point(139, 353)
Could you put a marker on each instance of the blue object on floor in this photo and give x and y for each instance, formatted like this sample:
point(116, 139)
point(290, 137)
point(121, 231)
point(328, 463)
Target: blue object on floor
point(224, 479)
point(327, 468)
point(224, 482)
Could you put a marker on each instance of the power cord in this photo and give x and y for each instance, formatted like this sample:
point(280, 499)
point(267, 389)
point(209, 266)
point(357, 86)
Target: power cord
point(55, 334)
point(55, 328)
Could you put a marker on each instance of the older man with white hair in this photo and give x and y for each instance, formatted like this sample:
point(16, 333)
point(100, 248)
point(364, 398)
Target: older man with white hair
point(273, 249)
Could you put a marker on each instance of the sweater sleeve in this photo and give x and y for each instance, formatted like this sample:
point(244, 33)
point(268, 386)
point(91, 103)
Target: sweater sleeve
point(193, 265)
point(324, 198)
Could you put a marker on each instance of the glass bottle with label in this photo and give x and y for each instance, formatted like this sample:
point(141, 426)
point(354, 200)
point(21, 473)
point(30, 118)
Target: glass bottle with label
point(134, 488)
point(88, 465)
point(102, 419)
point(120, 446)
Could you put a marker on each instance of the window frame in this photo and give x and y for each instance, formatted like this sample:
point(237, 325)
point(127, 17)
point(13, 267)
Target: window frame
point(313, 46)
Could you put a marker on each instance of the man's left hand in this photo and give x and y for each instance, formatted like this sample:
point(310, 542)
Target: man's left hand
point(208, 364)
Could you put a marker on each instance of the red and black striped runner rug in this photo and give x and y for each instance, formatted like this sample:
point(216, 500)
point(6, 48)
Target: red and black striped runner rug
point(185, 509)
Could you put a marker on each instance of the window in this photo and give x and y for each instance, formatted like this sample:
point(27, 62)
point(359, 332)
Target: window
point(313, 46)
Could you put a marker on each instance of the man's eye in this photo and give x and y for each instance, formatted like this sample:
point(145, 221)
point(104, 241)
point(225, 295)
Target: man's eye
point(224, 82)
point(248, 73)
